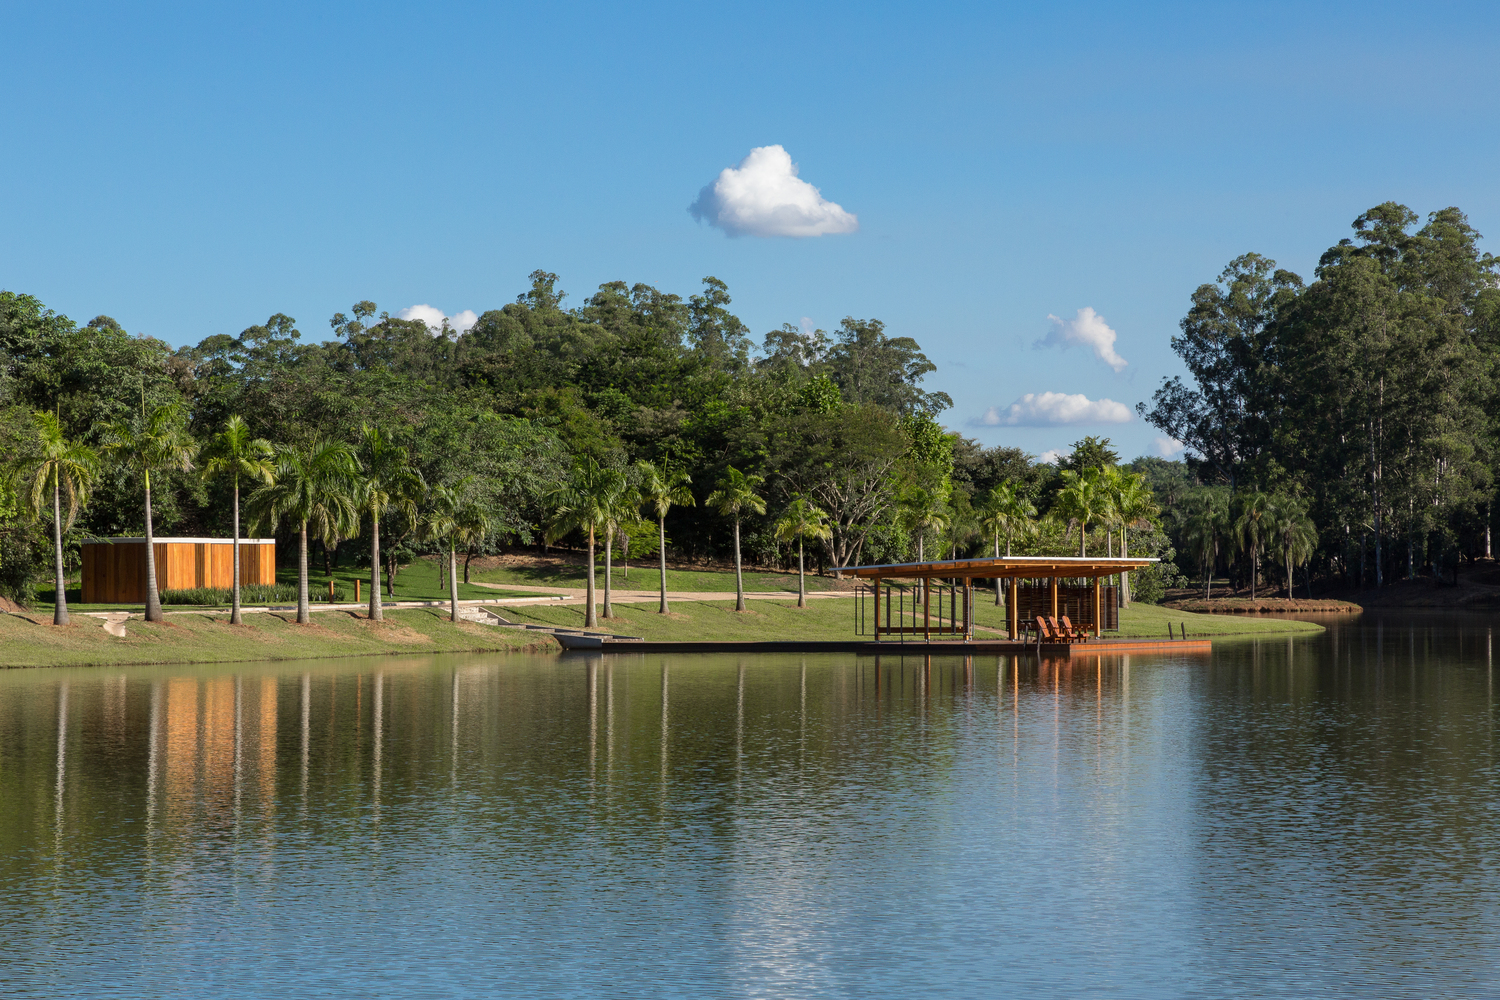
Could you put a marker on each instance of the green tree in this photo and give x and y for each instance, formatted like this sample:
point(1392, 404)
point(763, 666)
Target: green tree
point(388, 483)
point(234, 454)
point(624, 507)
point(734, 495)
point(460, 518)
point(801, 521)
point(156, 442)
point(313, 486)
point(586, 503)
point(1294, 532)
point(662, 487)
point(1132, 505)
point(1007, 511)
point(1081, 502)
point(1252, 526)
point(66, 470)
point(1206, 528)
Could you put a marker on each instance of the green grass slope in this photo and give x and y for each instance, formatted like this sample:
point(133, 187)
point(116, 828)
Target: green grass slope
point(193, 638)
point(646, 577)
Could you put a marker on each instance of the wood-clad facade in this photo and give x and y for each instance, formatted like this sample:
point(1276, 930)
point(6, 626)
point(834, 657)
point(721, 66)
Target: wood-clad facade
point(114, 569)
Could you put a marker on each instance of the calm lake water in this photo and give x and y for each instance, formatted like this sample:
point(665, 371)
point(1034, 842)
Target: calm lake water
point(1314, 817)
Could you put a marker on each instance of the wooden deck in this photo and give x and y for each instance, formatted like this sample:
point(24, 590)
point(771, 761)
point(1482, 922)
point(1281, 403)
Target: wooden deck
point(864, 647)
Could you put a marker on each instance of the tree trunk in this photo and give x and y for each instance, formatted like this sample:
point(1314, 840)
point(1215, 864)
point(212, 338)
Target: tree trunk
point(591, 616)
point(60, 602)
point(609, 551)
point(153, 598)
point(661, 527)
point(467, 556)
point(376, 612)
point(739, 580)
point(452, 582)
point(234, 594)
point(1000, 581)
point(801, 577)
point(1124, 574)
point(1287, 551)
point(1083, 540)
point(303, 618)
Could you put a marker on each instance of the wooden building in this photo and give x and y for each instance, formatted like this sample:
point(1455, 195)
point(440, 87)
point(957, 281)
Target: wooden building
point(114, 569)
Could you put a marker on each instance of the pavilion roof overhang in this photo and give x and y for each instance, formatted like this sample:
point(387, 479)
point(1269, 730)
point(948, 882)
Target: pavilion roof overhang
point(1024, 567)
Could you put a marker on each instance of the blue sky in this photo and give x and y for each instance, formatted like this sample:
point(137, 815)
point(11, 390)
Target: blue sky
point(190, 171)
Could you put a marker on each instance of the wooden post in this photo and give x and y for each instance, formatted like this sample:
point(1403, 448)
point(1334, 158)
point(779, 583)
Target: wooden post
point(356, 590)
point(927, 609)
point(1013, 608)
point(877, 609)
point(1053, 584)
point(1097, 608)
point(968, 610)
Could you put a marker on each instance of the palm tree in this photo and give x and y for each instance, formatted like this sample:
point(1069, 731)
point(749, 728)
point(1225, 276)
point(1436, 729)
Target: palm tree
point(67, 470)
point(459, 517)
point(734, 494)
point(387, 480)
point(1295, 532)
point(623, 506)
point(234, 453)
point(1007, 512)
point(156, 442)
point(584, 503)
point(1133, 505)
point(660, 488)
point(802, 521)
point(1202, 532)
point(925, 511)
point(1082, 502)
point(1251, 527)
point(312, 486)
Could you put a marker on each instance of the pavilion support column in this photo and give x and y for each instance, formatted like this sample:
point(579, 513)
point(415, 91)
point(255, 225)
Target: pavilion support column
point(1097, 607)
point(968, 609)
point(1052, 585)
point(877, 609)
point(927, 609)
point(1013, 609)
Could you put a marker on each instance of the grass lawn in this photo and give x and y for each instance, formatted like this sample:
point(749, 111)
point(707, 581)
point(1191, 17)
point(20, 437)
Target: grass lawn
point(422, 580)
point(211, 639)
point(647, 577)
point(834, 619)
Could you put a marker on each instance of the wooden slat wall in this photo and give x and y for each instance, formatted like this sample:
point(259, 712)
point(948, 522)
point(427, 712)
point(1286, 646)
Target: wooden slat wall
point(115, 573)
point(1075, 602)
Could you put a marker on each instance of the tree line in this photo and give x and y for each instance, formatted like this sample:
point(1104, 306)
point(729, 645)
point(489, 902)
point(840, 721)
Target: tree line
point(637, 422)
point(1347, 425)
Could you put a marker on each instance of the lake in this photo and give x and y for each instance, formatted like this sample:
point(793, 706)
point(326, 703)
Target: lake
point(1290, 818)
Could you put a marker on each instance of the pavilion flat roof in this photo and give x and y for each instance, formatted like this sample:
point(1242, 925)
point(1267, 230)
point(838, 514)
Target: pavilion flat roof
point(1005, 566)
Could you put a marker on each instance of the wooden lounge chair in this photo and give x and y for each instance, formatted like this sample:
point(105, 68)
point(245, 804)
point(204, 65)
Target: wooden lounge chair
point(1073, 634)
point(1060, 634)
point(1044, 631)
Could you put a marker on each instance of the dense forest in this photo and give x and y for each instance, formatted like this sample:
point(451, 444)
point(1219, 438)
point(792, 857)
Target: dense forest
point(1346, 427)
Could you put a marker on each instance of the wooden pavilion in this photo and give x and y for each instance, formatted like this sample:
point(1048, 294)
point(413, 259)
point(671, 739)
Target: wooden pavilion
point(1043, 593)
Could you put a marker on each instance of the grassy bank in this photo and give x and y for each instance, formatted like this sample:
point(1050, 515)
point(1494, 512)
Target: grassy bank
point(834, 619)
point(194, 638)
point(421, 580)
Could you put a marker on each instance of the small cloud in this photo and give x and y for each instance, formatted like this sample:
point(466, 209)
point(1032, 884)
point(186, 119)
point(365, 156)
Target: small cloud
point(1048, 409)
point(763, 196)
point(1051, 456)
point(459, 322)
point(1168, 447)
point(1089, 329)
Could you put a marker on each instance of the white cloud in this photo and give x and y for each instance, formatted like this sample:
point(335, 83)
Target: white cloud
point(1168, 447)
point(1052, 456)
point(459, 322)
point(1089, 329)
point(1048, 409)
point(763, 196)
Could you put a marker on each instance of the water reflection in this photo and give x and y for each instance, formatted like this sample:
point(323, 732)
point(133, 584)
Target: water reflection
point(1283, 818)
